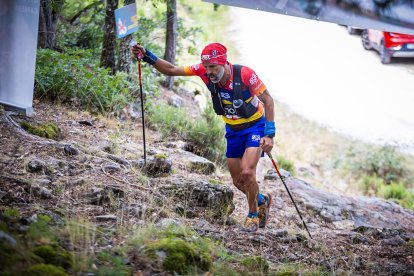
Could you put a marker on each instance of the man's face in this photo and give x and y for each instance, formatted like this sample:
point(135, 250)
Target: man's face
point(215, 72)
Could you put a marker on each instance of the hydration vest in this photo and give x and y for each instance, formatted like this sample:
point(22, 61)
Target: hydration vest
point(243, 109)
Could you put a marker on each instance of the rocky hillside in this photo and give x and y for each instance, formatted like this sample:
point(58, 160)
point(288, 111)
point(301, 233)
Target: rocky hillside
point(94, 173)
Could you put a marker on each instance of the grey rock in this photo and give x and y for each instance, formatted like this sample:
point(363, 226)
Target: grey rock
point(273, 175)
point(86, 122)
point(55, 217)
point(111, 168)
point(198, 164)
point(119, 160)
point(362, 211)
point(7, 239)
point(45, 193)
point(134, 110)
point(157, 165)
point(106, 218)
point(44, 181)
point(313, 225)
point(394, 241)
point(175, 100)
point(95, 196)
point(70, 150)
point(176, 144)
point(136, 210)
point(217, 199)
point(166, 222)
point(106, 146)
point(75, 182)
point(99, 196)
point(277, 233)
point(35, 166)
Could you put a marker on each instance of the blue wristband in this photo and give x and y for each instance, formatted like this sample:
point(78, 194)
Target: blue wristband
point(149, 57)
point(270, 129)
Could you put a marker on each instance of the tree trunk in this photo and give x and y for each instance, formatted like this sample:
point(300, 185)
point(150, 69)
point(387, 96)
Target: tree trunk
point(109, 42)
point(48, 16)
point(171, 38)
point(124, 62)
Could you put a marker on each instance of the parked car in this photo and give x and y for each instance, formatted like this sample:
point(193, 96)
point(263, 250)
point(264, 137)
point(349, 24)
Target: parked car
point(388, 44)
point(352, 30)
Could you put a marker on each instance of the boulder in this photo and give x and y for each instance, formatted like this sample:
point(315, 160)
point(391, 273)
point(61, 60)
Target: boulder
point(217, 199)
point(198, 164)
point(157, 165)
point(362, 211)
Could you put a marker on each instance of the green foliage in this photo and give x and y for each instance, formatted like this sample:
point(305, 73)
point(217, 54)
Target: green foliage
point(206, 132)
point(8, 255)
point(184, 250)
point(53, 256)
point(111, 265)
point(85, 32)
point(47, 130)
point(41, 230)
point(370, 184)
point(292, 269)
point(393, 190)
point(411, 243)
point(286, 164)
point(44, 269)
point(256, 263)
point(384, 162)
point(180, 255)
point(75, 76)
point(11, 213)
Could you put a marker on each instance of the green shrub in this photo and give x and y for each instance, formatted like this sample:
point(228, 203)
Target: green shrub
point(75, 76)
point(393, 190)
point(44, 269)
point(205, 133)
point(286, 164)
point(53, 256)
point(256, 263)
point(384, 162)
point(398, 193)
point(370, 184)
point(184, 250)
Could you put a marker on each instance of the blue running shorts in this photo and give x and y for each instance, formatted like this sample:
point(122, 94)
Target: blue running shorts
point(239, 140)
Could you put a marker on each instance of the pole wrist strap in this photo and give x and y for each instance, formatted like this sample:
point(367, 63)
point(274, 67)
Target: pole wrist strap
point(270, 129)
point(150, 57)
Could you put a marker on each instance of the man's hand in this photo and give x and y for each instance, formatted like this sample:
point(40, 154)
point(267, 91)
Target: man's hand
point(138, 51)
point(266, 143)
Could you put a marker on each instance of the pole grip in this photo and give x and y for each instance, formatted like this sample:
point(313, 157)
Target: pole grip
point(139, 72)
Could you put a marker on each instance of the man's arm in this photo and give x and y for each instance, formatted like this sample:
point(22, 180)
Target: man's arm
point(161, 65)
point(267, 141)
point(268, 103)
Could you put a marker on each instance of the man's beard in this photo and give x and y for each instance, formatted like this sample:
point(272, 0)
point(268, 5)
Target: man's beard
point(217, 77)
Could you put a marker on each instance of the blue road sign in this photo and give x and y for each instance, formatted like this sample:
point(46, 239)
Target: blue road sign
point(126, 20)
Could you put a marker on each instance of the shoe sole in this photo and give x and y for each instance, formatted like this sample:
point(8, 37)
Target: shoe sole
point(268, 210)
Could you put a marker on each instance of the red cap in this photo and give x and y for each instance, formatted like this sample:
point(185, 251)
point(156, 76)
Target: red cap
point(214, 53)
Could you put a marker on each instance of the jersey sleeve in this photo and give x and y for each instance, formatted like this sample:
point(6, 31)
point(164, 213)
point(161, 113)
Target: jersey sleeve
point(194, 70)
point(252, 81)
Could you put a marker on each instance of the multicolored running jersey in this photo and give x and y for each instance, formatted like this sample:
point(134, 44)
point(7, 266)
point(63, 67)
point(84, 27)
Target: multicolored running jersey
point(252, 87)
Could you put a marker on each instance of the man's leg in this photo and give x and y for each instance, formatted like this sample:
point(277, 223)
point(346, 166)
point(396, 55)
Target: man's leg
point(243, 173)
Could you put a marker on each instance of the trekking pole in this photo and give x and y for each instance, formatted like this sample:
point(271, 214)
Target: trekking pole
point(142, 111)
point(277, 170)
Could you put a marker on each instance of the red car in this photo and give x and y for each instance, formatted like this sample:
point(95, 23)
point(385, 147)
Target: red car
point(388, 44)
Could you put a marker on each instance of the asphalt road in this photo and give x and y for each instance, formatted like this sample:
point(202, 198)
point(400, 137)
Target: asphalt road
point(324, 74)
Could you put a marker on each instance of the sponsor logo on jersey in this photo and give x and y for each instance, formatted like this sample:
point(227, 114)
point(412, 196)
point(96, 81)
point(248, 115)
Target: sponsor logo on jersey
point(256, 137)
point(253, 79)
point(225, 95)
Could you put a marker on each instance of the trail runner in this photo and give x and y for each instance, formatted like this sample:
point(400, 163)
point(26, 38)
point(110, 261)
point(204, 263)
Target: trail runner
point(241, 99)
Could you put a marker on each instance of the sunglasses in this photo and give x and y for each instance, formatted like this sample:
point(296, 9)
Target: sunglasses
point(208, 57)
